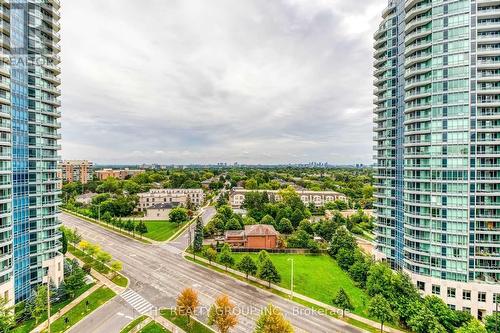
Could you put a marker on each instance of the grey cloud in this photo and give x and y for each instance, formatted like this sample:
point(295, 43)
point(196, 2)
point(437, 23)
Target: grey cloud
point(207, 81)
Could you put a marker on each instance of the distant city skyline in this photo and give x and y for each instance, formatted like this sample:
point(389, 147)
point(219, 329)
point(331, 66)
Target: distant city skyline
point(195, 82)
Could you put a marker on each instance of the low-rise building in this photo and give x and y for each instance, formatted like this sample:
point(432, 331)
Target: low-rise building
point(76, 171)
point(160, 211)
point(329, 214)
point(119, 174)
point(258, 236)
point(318, 198)
point(85, 198)
point(181, 197)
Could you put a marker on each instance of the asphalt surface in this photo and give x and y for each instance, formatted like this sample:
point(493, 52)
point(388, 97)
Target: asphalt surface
point(159, 272)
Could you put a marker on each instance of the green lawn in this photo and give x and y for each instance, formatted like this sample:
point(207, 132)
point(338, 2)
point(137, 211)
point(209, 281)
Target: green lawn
point(161, 230)
point(29, 325)
point(118, 279)
point(154, 327)
point(318, 277)
point(96, 299)
point(181, 321)
point(133, 324)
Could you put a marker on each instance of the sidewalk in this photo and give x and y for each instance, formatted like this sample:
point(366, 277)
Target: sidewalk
point(67, 308)
point(296, 295)
point(101, 281)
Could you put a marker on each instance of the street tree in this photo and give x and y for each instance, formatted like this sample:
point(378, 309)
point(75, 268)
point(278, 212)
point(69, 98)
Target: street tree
point(226, 257)
point(116, 266)
point(210, 254)
point(40, 303)
point(379, 280)
point(187, 302)
point(141, 228)
point(103, 257)
point(178, 215)
point(198, 237)
point(84, 245)
point(269, 273)
point(342, 239)
point(247, 265)
point(380, 309)
point(64, 242)
point(474, 326)
point(492, 323)
point(75, 281)
point(7, 316)
point(342, 301)
point(222, 314)
point(76, 237)
point(271, 320)
point(263, 256)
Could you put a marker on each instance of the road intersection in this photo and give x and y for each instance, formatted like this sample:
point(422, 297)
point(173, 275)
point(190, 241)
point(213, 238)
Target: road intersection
point(159, 272)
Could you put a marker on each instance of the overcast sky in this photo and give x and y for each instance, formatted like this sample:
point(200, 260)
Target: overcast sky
point(197, 81)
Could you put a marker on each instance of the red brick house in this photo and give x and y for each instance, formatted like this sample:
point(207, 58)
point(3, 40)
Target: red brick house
point(258, 236)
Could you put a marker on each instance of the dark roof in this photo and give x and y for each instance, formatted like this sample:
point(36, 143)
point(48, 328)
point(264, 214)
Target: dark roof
point(164, 205)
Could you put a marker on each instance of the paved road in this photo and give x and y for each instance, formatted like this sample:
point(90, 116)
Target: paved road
point(110, 318)
point(159, 272)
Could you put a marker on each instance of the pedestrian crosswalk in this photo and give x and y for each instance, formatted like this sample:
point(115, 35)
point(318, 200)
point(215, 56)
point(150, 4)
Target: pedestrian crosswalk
point(137, 302)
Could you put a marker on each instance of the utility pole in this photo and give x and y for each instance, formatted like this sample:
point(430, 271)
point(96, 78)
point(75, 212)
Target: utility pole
point(291, 280)
point(497, 297)
point(48, 301)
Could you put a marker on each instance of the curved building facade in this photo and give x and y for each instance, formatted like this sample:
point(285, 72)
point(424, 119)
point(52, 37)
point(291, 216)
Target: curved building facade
point(437, 133)
point(29, 112)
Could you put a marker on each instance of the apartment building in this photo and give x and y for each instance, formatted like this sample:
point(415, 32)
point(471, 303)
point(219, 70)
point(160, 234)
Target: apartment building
point(76, 171)
point(174, 196)
point(318, 198)
point(121, 174)
point(29, 144)
point(437, 134)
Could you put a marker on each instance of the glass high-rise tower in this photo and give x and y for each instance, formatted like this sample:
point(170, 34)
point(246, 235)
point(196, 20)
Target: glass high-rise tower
point(29, 185)
point(437, 134)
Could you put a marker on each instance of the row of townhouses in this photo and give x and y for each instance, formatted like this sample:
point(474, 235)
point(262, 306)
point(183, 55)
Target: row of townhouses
point(318, 198)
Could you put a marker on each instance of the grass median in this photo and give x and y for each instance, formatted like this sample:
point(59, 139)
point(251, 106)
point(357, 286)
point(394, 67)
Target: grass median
point(109, 227)
point(181, 321)
point(154, 327)
point(133, 324)
point(116, 278)
point(95, 300)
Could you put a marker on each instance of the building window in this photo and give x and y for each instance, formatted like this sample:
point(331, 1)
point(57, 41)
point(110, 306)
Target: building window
point(466, 309)
point(421, 285)
point(451, 306)
point(451, 292)
point(496, 298)
point(481, 296)
point(436, 290)
point(466, 295)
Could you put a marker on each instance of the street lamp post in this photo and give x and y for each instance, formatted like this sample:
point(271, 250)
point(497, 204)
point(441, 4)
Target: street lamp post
point(291, 279)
